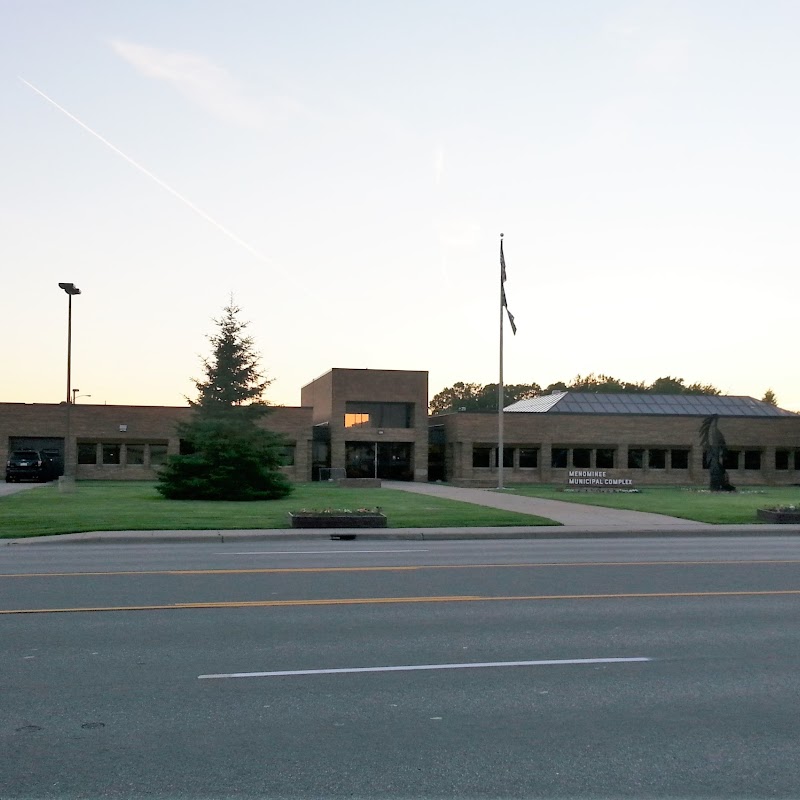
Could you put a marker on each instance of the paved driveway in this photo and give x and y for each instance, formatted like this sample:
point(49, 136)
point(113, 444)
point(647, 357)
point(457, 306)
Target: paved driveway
point(573, 514)
point(13, 488)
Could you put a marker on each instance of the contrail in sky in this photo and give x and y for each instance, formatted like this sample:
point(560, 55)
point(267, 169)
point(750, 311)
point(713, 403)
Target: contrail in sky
point(230, 234)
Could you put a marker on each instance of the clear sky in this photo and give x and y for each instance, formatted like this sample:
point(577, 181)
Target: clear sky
point(355, 163)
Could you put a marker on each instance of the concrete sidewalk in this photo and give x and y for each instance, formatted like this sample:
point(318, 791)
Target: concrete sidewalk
point(565, 513)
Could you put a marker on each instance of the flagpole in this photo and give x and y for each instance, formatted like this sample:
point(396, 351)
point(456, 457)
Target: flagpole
point(500, 382)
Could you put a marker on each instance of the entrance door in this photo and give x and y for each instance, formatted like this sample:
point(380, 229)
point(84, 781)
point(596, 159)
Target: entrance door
point(394, 461)
point(390, 461)
point(359, 459)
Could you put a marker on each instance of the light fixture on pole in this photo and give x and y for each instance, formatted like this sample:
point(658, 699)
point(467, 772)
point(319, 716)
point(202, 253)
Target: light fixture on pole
point(71, 289)
point(69, 472)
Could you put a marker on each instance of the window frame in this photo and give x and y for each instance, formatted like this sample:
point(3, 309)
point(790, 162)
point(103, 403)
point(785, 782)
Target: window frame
point(523, 457)
point(601, 461)
point(482, 449)
point(749, 455)
point(684, 452)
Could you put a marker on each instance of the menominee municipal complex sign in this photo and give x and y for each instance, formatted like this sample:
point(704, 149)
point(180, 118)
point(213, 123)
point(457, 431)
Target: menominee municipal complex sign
point(596, 479)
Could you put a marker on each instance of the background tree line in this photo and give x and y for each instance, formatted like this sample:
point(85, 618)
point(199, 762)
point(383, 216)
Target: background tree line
point(479, 397)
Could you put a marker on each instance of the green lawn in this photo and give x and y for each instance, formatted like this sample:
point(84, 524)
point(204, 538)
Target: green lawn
point(108, 506)
point(731, 508)
point(120, 506)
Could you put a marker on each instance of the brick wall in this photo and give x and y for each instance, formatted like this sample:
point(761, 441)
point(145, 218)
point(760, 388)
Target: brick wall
point(331, 392)
point(136, 425)
point(318, 395)
point(620, 433)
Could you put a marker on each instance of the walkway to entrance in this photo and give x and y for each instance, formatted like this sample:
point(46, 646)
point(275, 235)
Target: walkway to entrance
point(573, 514)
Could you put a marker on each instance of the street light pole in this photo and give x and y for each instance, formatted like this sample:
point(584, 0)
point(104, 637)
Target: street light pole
point(67, 481)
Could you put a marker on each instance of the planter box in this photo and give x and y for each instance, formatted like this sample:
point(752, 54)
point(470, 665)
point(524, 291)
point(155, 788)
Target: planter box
point(337, 520)
point(783, 517)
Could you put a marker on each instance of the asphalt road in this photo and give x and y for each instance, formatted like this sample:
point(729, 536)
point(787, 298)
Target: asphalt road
point(591, 668)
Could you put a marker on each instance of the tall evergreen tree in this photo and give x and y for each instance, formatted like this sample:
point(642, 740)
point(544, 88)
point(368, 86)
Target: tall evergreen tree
point(232, 375)
point(228, 455)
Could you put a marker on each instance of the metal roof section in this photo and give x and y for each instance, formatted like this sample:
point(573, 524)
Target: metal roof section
point(691, 405)
point(537, 404)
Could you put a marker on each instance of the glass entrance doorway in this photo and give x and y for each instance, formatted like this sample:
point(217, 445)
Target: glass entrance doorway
point(391, 461)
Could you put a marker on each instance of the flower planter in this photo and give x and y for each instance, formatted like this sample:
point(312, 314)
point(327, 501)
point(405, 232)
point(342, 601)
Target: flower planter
point(783, 516)
point(307, 519)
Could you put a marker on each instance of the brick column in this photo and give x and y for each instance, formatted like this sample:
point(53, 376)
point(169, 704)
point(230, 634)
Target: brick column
point(465, 460)
point(337, 453)
point(768, 464)
point(545, 460)
point(696, 472)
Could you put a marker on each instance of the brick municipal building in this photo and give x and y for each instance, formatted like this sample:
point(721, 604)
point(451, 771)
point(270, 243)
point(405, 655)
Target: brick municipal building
point(363, 423)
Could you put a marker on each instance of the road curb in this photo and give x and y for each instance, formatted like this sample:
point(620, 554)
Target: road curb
point(545, 532)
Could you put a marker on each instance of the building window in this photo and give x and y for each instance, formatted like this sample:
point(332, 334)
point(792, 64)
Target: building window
point(482, 457)
point(158, 455)
point(558, 457)
point(752, 459)
point(636, 458)
point(731, 459)
point(287, 455)
point(582, 457)
point(378, 415)
point(679, 459)
point(320, 457)
point(528, 458)
point(605, 458)
point(508, 457)
point(87, 453)
point(134, 455)
point(111, 453)
point(359, 459)
point(657, 459)
point(782, 459)
point(797, 460)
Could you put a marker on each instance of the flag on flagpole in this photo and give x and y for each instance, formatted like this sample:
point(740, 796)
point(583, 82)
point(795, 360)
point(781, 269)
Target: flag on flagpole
point(503, 288)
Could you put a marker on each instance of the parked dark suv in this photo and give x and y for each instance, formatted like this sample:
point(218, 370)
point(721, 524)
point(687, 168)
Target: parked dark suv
point(30, 465)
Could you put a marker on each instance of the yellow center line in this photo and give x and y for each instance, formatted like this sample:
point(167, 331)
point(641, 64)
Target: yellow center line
point(415, 568)
point(398, 600)
point(255, 571)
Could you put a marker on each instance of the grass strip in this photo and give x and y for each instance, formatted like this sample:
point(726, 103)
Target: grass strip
point(136, 506)
point(695, 503)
